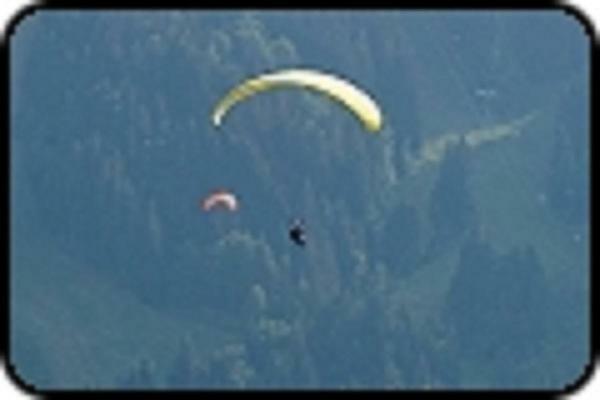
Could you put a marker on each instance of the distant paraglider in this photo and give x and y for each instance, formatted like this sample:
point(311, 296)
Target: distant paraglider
point(355, 99)
point(297, 233)
point(220, 200)
point(341, 90)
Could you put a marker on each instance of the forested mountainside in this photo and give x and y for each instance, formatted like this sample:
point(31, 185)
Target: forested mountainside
point(448, 250)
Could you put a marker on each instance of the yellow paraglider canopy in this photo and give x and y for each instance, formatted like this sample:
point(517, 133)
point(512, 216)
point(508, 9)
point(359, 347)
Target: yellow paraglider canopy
point(355, 99)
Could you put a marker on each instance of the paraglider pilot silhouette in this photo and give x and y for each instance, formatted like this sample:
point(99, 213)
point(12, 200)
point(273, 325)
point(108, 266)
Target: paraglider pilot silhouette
point(297, 232)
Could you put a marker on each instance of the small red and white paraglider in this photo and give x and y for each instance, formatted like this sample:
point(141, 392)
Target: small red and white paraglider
point(220, 199)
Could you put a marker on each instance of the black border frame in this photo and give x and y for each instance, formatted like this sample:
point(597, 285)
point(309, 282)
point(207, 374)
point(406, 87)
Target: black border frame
point(569, 9)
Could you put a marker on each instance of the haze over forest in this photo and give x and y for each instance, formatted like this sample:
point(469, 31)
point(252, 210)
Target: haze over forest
point(449, 250)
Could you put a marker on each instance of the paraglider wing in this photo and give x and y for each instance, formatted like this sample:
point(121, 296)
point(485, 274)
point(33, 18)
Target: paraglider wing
point(220, 200)
point(355, 99)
